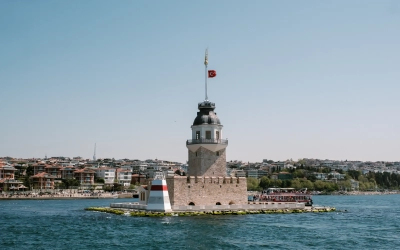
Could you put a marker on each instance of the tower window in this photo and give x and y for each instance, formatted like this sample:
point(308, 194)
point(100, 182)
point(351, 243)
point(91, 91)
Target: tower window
point(208, 134)
point(217, 153)
point(217, 135)
point(197, 135)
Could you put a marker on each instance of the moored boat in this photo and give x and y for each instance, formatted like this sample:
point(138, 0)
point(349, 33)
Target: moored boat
point(285, 195)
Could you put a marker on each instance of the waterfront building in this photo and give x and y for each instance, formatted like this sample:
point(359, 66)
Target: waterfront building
point(107, 174)
point(7, 172)
point(67, 172)
point(85, 176)
point(54, 170)
point(124, 177)
point(42, 181)
point(11, 185)
point(139, 179)
point(207, 182)
point(39, 167)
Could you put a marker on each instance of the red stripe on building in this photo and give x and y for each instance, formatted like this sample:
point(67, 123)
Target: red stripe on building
point(159, 188)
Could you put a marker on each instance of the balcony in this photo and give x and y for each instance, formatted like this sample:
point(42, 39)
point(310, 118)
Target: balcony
point(207, 141)
point(213, 145)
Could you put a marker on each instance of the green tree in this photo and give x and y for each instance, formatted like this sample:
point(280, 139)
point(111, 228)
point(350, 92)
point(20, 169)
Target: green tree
point(298, 173)
point(312, 177)
point(29, 171)
point(70, 183)
point(319, 185)
point(99, 180)
point(296, 184)
point(265, 182)
point(307, 184)
point(252, 184)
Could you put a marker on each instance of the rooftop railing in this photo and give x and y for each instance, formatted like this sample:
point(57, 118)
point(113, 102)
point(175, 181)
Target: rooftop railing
point(206, 141)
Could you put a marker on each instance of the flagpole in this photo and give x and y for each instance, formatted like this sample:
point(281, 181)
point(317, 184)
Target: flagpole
point(205, 64)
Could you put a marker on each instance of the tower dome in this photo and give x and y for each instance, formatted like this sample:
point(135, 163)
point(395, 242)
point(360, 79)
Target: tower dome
point(206, 115)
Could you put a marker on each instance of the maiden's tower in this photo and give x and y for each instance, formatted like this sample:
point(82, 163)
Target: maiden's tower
point(206, 182)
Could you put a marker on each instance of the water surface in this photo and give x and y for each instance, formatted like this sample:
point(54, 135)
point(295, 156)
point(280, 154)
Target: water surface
point(371, 222)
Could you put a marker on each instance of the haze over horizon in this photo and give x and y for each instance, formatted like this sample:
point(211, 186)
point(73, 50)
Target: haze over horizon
point(309, 79)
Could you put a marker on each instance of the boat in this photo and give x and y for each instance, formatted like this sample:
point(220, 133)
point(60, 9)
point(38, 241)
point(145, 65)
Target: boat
point(285, 195)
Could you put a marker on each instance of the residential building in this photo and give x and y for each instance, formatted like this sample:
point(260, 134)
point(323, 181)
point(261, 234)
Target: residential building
point(67, 172)
point(106, 173)
point(124, 177)
point(85, 176)
point(7, 172)
point(252, 173)
point(54, 170)
point(42, 180)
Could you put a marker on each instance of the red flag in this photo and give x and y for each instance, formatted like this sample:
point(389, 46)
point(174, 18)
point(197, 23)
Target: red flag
point(212, 73)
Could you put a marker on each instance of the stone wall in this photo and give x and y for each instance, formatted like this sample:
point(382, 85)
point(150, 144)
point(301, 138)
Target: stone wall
point(207, 190)
point(204, 162)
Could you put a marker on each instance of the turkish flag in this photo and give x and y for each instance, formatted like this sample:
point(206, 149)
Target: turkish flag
point(212, 73)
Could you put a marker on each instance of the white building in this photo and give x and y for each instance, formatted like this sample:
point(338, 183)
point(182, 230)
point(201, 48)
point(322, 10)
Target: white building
point(124, 177)
point(106, 173)
point(253, 173)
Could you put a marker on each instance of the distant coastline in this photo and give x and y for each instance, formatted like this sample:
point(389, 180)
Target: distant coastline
point(52, 198)
point(64, 196)
point(366, 193)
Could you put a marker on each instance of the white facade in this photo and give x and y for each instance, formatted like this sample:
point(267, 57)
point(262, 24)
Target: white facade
point(108, 174)
point(124, 177)
point(215, 131)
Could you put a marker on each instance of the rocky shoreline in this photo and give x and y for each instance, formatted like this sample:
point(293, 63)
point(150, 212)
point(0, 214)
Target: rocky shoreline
point(145, 213)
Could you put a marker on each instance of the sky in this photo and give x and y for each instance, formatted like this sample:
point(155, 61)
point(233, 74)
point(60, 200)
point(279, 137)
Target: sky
point(295, 79)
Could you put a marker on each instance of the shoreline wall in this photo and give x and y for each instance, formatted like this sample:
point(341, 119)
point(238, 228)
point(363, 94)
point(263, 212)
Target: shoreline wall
point(204, 190)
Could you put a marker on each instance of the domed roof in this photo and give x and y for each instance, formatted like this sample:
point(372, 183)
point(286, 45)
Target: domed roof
point(206, 114)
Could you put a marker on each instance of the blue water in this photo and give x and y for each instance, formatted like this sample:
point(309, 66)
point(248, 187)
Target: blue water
point(371, 222)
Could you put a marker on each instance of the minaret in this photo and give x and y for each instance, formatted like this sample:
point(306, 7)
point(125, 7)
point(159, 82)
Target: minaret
point(207, 155)
point(94, 154)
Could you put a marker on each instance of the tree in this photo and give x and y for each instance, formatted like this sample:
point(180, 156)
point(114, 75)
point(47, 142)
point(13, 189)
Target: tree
point(29, 171)
point(70, 183)
point(319, 185)
point(296, 184)
point(354, 174)
point(99, 180)
point(298, 173)
point(307, 184)
point(252, 184)
point(265, 182)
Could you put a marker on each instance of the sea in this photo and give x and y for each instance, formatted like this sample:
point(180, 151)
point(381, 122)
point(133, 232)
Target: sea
point(361, 222)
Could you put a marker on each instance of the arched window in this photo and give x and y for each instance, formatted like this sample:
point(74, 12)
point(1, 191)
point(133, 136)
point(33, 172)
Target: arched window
point(191, 203)
point(231, 203)
point(218, 203)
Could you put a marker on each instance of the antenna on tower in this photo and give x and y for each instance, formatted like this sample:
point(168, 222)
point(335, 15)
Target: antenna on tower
point(94, 155)
point(206, 64)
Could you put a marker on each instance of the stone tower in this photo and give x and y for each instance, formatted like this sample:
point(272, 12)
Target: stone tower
point(207, 155)
point(206, 183)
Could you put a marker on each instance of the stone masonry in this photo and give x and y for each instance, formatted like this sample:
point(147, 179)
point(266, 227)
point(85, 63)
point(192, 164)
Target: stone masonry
point(204, 162)
point(203, 190)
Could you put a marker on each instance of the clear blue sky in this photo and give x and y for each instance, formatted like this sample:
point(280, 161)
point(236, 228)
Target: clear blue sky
point(296, 79)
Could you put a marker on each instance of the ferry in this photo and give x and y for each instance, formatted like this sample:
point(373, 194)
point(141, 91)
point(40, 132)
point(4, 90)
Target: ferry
point(285, 195)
